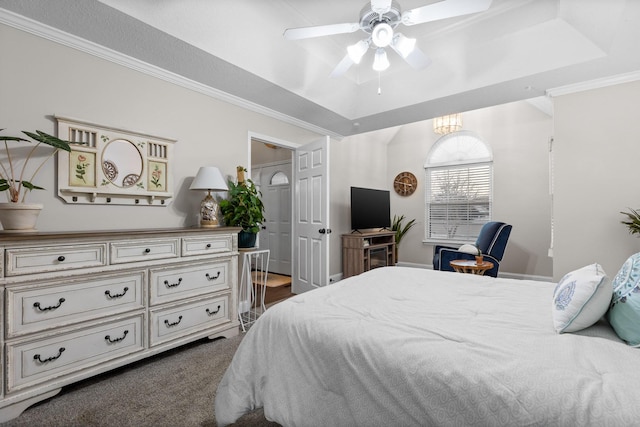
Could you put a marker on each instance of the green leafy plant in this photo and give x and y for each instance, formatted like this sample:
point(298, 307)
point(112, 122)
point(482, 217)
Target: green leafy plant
point(12, 175)
point(400, 229)
point(243, 208)
point(633, 221)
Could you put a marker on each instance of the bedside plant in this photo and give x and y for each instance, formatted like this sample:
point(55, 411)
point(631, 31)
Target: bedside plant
point(479, 258)
point(633, 223)
point(16, 215)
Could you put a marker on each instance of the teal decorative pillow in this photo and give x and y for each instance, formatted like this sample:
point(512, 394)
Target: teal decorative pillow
point(624, 313)
point(581, 298)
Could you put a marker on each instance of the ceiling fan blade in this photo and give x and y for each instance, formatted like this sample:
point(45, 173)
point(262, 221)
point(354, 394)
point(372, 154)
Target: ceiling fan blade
point(381, 6)
point(321, 30)
point(444, 9)
point(417, 59)
point(342, 66)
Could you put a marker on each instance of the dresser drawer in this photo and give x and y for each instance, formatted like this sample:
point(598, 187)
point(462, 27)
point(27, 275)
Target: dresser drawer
point(172, 283)
point(54, 258)
point(32, 362)
point(135, 250)
point(206, 245)
point(179, 321)
point(40, 306)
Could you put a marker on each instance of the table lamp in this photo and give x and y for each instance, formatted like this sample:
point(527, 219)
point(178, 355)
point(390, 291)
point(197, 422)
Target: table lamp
point(209, 178)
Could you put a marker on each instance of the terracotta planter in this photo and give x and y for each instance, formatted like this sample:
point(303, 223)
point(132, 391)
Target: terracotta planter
point(19, 217)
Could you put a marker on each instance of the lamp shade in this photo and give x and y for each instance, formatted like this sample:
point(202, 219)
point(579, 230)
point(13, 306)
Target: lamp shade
point(209, 178)
point(380, 61)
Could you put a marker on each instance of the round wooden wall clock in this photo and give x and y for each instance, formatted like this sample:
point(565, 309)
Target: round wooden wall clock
point(405, 183)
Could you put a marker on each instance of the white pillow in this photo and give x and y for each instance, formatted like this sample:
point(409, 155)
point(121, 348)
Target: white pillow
point(581, 298)
point(468, 249)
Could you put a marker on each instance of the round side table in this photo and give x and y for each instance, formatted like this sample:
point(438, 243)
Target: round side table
point(470, 267)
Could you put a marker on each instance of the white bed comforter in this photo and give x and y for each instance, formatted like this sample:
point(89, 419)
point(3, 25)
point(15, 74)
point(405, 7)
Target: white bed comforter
point(402, 347)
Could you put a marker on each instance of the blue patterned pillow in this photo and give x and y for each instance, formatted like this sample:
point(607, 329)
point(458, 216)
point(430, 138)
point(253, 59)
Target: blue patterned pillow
point(581, 298)
point(624, 313)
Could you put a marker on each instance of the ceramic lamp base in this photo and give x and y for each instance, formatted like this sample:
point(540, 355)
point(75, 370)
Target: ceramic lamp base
point(209, 224)
point(209, 212)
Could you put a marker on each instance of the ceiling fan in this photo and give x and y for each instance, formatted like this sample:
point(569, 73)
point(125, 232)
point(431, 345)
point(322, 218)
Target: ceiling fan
point(379, 19)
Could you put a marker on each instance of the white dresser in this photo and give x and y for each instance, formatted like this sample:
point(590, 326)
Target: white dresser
point(81, 303)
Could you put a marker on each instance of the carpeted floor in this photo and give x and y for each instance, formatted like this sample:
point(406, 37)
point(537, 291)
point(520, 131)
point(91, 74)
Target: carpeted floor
point(173, 389)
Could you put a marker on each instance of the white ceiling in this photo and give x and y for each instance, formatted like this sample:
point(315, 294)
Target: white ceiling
point(517, 49)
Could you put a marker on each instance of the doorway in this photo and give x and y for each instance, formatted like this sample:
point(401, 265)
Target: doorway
point(271, 171)
point(308, 202)
point(274, 182)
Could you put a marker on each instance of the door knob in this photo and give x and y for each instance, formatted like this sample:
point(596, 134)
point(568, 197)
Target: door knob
point(322, 231)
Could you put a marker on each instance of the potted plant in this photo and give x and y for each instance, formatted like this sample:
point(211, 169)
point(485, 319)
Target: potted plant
point(16, 215)
point(633, 223)
point(400, 229)
point(243, 209)
point(479, 258)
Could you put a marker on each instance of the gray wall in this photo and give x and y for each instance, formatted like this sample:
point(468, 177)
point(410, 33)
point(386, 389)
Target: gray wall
point(518, 134)
point(46, 78)
point(596, 153)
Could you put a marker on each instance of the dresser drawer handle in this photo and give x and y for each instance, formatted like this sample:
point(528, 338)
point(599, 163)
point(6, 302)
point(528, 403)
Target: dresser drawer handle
point(211, 313)
point(114, 296)
point(169, 324)
point(52, 307)
point(48, 359)
point(111, 341)
point(173, 285)
point(61, 258)
point(212, 277)
point(147, 250)
point(208, 245)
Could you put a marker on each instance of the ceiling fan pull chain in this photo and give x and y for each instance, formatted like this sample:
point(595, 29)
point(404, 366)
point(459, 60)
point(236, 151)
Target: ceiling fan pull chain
point(379, 89)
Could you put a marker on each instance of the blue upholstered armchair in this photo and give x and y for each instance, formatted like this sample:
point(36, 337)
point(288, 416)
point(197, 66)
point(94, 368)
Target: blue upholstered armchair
point(492, 241)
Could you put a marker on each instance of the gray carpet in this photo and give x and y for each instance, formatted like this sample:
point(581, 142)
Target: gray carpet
point(176, 388)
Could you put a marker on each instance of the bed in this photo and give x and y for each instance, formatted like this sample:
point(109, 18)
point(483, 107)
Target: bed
point(401, 346)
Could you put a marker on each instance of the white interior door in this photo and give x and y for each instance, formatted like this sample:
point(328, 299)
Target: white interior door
point(276, 229)
point(311, 217)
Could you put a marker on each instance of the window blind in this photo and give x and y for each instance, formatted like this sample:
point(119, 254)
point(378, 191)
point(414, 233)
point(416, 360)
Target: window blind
point(458, 201)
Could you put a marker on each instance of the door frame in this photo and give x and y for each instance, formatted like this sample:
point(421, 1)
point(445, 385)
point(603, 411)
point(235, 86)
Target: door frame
point(253, 136)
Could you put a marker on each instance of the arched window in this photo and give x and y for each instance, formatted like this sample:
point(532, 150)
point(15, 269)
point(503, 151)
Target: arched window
point(279, 178)
point(459, 187)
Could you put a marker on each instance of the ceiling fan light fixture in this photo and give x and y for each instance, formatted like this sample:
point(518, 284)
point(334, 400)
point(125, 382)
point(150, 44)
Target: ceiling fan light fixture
point(382, 34)
point(380, 62)
point(403, 45)
point(357, 51)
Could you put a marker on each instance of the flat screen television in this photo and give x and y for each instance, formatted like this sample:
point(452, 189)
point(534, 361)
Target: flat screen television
point(370, 208)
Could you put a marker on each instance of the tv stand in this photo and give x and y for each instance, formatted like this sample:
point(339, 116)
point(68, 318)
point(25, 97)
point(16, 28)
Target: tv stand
point(363, 251)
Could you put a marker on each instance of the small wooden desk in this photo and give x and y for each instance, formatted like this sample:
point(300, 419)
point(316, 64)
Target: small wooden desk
point(468, 266)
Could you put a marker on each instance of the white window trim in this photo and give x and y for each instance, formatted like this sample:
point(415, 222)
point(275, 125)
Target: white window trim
point(465, 163)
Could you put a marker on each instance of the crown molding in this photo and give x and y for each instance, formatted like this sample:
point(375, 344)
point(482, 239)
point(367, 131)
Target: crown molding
point(57, 36)
point(594, 84)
